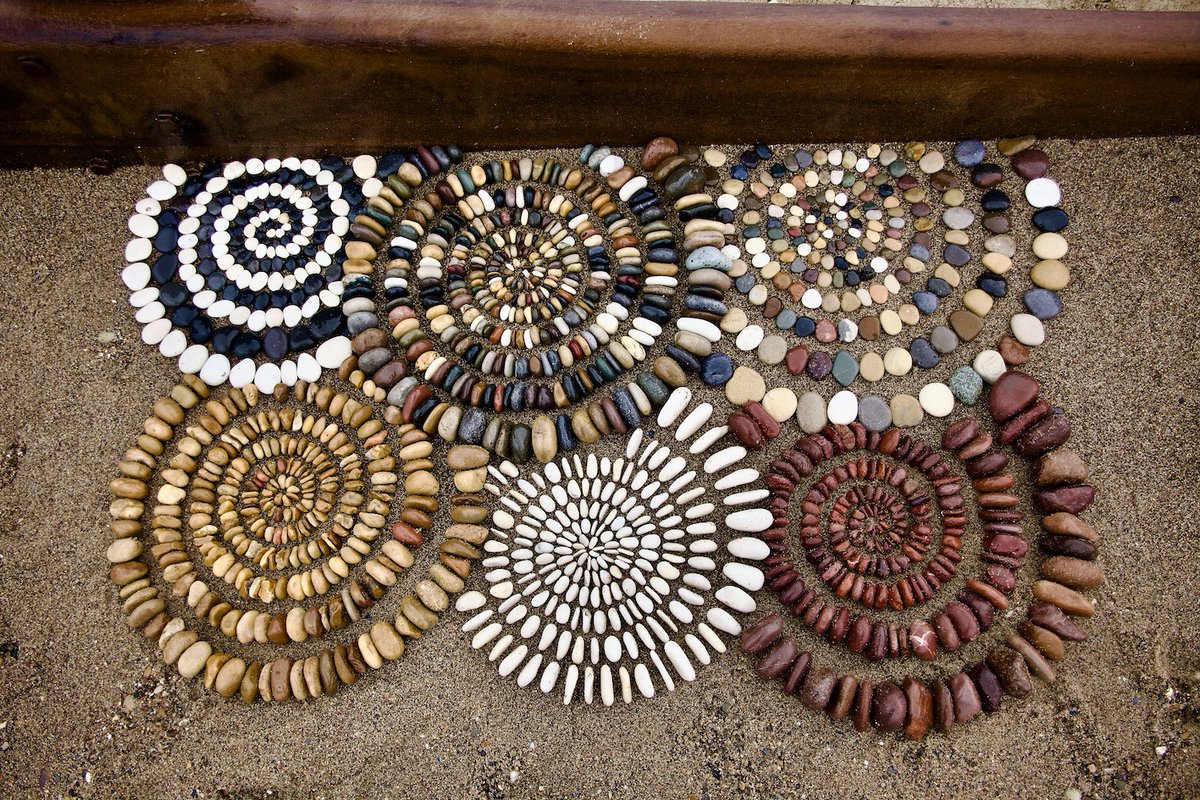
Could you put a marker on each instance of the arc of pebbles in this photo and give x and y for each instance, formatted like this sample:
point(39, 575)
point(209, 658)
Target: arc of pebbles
point(599, 568)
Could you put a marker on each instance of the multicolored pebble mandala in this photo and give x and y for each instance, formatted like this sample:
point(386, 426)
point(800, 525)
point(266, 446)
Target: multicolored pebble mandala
point(860, 266)
point(529, 372)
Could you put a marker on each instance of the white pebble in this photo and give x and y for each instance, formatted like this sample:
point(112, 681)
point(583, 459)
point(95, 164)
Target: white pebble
point(192, 359)
point(1028, 329)
point(364, 167)
point(843, 407)
point(936, 399)
point(990, 365)
point(1043, 192)
point(749, 547)
point(749, 520)
point(333, 352)
point(215, 370)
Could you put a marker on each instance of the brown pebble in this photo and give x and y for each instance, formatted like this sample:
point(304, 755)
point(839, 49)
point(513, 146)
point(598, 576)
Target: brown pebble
point(1012, 392)
point(1047, 642)
point(1073, 572)
point(778, 659)
point(1067, 524)
point(1045, 435)
point(958, 433)
point(746, 432)
point(991, 693)
point(656, 150)
point(1010, 668)
point(1013, 352)
point(818, 687)
point(1052, 618)
point(843, 700)
point(966, 697)
point(920, 708)
point(760, 635)
point(889, 709)
point(943, 706)
point(1060, 466)
point(922, 640)
point(281, 684)
point(862, 705)
point(1072, 499)
point(1034, 660)
point(1068, 600)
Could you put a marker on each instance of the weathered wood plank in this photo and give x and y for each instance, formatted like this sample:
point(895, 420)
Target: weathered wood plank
point(132, 81)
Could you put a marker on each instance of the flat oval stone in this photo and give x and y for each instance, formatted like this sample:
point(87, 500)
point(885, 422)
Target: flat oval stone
point(1043, 192)
point(810, 412)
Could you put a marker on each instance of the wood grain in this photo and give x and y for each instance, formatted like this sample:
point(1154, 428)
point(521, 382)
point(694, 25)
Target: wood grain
point(134, 81)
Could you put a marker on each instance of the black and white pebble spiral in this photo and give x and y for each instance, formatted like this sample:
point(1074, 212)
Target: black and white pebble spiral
point(235, 270)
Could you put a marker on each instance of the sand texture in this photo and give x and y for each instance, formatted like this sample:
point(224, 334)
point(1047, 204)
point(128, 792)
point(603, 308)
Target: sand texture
point(87, 709)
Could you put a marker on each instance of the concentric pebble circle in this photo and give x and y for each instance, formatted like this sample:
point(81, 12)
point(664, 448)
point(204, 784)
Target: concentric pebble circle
point(530, 305)
point(236, 272)
point(895, 548)
point(614, 577)
point(247, 524)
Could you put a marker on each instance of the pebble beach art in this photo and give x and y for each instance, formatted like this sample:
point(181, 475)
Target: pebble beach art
point(616, 415)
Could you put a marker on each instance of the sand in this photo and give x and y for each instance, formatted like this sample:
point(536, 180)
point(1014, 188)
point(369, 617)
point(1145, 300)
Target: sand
point(86, 708)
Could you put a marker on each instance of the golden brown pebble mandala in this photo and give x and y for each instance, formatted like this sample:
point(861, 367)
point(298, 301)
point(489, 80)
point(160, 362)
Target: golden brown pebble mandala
point(248, 525)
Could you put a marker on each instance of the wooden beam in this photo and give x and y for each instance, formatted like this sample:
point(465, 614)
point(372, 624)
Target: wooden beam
point(147, 81)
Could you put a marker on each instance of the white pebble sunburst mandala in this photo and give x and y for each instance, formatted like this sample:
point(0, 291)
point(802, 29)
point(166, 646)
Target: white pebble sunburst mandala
point(610, 574)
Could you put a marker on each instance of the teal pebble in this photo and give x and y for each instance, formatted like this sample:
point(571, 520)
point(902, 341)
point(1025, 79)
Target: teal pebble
point(966, 384)
point(845, 368)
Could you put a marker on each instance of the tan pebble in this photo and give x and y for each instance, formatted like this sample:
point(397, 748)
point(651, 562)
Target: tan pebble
point(432, 595)
point(229, 678)
point(249, 688)
point(128, 487)
point(1068, 600)
point(1050, 246)
point(544, 439)
point(192, 660)
point(145, 611)
point(168, 410)
point(871, 367)
point(780, 403)
point(745, 386)
point(387, 642)
point(124, 550)
point(1050, 274)
point(466, 456)
point(714, 158)
point(417, 613)
point(978, 302)
point(734, 321)
point(906, 411)
point(125, 508)
point(296, 681)
point(470, 480)
point(449, 582)
point(897, 361)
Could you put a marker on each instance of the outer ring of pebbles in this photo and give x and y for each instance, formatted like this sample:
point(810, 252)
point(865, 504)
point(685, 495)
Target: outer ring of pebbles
point(235, 270)
point(192, 552)
point(849, 368)
point(1038, 434)
point(453, 383)
point(611, 579)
